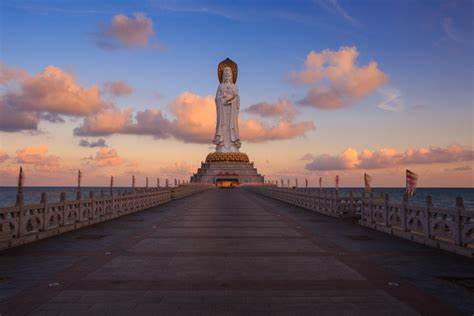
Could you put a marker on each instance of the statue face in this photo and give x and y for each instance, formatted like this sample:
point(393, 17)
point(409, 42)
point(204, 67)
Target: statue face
point(227, 75)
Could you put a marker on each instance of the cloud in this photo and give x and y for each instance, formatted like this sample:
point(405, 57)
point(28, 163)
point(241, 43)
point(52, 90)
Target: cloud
point(117, 88)
point(438, 155)
point(177, 169)
point(54, 90)
point(45, 96)
point(8, 74)
point(460, 169)
point(307, 156)
point(334, 7)
point(387, 157)
point(347, 160)
point(15, 120)
point(335, 78)
point(38, 157)
point(255, 131)
point(3, 156)
point(91, 144)
point(450, 30)
point(117, 121)
point(282, 108)
point(106, 122)
point(195, 117)
point(51, 117)
point(38, 166)
point(193, 121)
point(107, 157)
point(123, 31)
point(392, 101)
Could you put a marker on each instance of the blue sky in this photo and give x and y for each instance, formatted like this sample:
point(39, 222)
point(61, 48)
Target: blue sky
point(424, 47)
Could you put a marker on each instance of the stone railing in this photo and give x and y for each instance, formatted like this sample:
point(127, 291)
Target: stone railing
point(327, 204)
point(448, 229)
point(23, 224)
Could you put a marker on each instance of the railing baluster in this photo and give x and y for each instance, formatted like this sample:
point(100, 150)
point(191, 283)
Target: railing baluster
point(458, 227)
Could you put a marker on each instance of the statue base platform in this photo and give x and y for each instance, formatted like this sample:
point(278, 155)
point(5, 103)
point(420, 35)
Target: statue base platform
point(227, 170)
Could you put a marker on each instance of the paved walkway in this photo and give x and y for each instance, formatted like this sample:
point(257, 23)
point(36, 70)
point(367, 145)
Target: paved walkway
point(226, 252)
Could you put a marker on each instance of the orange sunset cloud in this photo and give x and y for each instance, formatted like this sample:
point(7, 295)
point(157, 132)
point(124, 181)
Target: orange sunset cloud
point(194, 122)
point(117, 88)
point(335, 78)
point(387, 157)
point(44, 96)
point(134, 31)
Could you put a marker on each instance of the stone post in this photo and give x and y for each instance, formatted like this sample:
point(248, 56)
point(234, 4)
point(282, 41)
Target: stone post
point(458, 240)
point(146, 183)
point(296, 183)
point(92, 209)
point(78, 193)
point(352, 209)
point(111, 185)
point(371, 207)
point(386, 209)
point(427, 215)
point(133, 183)
point(19, 191)
point(167, 183)
point(404, 214)
point(157, 182)
point(44, 201)
point(363, 207)
point(62, 200)
point(20, 202)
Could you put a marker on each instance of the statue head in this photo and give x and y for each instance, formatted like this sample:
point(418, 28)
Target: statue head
point(227, 75)
point(230, 68)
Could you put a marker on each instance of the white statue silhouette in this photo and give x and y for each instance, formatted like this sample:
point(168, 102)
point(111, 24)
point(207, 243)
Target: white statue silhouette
point(227, 137)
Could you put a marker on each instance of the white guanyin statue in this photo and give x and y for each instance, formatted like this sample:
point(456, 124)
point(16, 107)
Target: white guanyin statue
point(227, 137)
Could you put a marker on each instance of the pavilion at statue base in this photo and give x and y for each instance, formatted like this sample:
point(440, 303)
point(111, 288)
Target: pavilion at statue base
point(227, 170)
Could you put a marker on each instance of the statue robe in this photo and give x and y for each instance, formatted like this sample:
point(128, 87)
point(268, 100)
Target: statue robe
point(227, 137)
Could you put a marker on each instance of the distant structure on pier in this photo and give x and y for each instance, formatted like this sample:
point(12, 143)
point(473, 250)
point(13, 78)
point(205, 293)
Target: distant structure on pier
point(227, 166)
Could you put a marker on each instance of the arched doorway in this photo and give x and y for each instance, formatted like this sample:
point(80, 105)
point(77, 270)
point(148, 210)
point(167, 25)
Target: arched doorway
point(227, 183)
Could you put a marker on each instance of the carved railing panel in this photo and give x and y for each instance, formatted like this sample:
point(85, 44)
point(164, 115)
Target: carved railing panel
point(449, 229)
point(26, 220)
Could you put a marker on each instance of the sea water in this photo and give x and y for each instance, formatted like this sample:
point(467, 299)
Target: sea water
point(442, 197)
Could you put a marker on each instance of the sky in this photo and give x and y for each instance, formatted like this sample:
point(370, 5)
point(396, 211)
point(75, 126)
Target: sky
point(327, 87)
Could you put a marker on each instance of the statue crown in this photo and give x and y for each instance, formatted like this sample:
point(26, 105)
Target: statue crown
point(227, 63)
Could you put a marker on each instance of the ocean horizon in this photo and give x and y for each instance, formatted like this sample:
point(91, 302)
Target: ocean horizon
point(442, 197)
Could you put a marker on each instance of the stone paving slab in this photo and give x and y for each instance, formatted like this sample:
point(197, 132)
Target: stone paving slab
point(223, 224)
point(375, 302)
point(228, 217)
point(225, 252)
point(219, 268)
point(257, 245)
point(408, 261)
point(221, 232)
